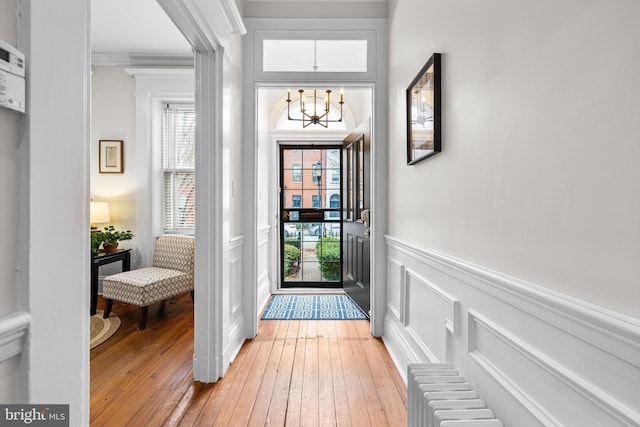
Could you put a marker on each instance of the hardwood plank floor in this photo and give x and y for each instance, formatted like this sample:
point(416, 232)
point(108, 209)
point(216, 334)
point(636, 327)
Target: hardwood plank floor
point(294, 373)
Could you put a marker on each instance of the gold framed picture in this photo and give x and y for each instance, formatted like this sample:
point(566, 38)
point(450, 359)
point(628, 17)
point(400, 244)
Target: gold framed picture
point(111, 158)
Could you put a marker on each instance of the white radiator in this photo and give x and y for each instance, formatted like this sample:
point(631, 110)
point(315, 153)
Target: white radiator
point(439, 397)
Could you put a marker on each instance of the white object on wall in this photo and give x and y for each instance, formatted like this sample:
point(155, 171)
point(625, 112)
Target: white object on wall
point(12, 83)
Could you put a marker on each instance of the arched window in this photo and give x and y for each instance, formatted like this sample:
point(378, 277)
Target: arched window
point(334, 201)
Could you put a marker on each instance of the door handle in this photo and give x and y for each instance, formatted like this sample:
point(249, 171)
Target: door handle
point(364, 216)
point(366, 233)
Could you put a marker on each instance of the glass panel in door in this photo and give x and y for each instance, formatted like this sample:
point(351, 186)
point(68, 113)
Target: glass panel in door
point(311, 225)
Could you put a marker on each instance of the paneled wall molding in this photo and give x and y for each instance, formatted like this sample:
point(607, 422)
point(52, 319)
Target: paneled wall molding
point(233, 289)
point(451, 319)
point(235, 274)
point(264, 283)
point(476, 321)
point(429, 315)
point(263, 286)
point(610, 331)
point(538, 357)
point(236, 242)
point(561, 373)
point(399, 348)
point(397, 310)
point(13, 329)
point(234, 341)
point(263, 234)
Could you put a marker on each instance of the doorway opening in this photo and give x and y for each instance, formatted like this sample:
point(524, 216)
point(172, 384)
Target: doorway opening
point(311, 219)
point(273, 133)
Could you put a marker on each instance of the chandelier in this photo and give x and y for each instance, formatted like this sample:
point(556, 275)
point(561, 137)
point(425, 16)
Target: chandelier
point(307, 117)
point(422, 109)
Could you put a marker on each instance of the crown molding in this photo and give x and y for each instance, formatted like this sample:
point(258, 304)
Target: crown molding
point(234, 19)
point(140, 59)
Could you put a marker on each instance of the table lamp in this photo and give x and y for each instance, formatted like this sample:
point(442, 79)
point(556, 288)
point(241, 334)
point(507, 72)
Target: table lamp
point(99, 213)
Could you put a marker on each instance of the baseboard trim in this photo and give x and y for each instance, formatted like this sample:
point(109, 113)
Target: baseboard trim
point(236, 340)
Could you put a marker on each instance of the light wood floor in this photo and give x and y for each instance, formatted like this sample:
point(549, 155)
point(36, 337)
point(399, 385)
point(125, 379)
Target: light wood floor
point(294, 373)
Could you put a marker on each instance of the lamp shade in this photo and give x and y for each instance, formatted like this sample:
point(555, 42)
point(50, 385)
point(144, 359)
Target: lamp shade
point(99, 213)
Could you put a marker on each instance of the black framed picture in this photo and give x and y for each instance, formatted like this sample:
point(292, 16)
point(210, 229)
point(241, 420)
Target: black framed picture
point(423, 113)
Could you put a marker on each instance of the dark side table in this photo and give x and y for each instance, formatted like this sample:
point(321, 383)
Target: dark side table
point(102, 258)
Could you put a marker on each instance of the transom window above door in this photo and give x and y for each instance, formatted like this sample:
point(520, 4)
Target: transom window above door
point(315, 55)
point(329, 56)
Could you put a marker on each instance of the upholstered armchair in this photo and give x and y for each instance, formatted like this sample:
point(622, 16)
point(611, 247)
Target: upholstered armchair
point(171, 274)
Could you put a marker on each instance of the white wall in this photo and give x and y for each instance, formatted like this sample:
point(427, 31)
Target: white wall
point(53, 205)
point(237, 125)
point(538, 174)
point(516, 258)
point(8, 210)
point(126, 109)
point(233, 289)
point(8, 176)
point(113, 117)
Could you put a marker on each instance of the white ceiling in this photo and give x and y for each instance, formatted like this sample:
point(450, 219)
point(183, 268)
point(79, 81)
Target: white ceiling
point(134, 26)
point(142, 27)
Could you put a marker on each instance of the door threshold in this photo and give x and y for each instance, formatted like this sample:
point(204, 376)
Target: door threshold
point(308, 291)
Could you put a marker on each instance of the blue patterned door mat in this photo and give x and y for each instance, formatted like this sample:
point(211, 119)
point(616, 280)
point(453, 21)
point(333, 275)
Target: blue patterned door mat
point(312, 307)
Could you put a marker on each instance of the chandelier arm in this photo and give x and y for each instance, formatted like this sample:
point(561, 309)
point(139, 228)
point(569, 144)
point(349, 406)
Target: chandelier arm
point(289, 110)
point(310, 123)
point(323, 116)
point(304, 114)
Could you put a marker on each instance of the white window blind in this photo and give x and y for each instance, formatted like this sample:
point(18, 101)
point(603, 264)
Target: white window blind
point(178, 164)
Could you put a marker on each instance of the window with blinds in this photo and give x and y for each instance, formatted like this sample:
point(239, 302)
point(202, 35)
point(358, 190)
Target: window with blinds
point(178, 165)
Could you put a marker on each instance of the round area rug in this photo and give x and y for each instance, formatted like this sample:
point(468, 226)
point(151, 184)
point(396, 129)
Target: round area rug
point(102, 329)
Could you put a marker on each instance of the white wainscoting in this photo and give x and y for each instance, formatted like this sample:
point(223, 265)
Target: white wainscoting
point(537, 357)
point(264, 261)
point(13, 330)
point(235, 334)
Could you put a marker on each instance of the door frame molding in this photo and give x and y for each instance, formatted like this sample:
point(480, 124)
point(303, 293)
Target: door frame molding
point(208, 26)
point(253, 80)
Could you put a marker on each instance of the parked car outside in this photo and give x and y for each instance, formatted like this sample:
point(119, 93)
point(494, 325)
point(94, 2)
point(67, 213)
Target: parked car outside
point(290, 230)
point(331, 229)
point(314, 229)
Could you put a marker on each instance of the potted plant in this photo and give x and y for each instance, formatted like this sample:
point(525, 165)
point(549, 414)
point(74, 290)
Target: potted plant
point(96, 240)
point(109, 237)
